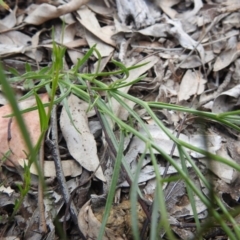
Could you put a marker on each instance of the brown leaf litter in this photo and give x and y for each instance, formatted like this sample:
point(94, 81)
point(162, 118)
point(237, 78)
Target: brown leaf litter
point(191, 50)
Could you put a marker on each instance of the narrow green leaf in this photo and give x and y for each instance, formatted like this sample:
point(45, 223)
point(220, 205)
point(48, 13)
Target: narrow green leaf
point(113, 185)
point(28, 67)
point(82, 61)
point(42, 114)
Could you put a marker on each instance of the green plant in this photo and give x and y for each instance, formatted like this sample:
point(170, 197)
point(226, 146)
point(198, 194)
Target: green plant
point(60, 83)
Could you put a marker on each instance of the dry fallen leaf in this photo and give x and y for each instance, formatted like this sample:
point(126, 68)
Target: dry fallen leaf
point(10, 20)
point(90, 226)
point(225, 58)
point(184, 39)
point(118, 225)
point(80, 141)
point(192, 83)
point(95, 34)
point(70, 168)
point(17, 42)
point(45, 12)
point(225, 172)
point(17, 144)
point(226, 100)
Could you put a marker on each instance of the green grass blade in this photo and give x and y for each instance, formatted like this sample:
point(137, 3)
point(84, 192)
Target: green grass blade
point(134, 196)
point(111, 193)
point(42, 114)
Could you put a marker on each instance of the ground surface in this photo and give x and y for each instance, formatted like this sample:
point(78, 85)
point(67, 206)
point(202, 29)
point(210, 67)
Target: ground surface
point(188, 53)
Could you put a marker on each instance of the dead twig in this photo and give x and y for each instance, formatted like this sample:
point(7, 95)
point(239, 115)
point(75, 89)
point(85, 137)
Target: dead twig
point(53, 143)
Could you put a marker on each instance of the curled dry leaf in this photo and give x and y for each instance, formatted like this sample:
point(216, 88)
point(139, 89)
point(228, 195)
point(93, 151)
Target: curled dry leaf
point(95, 34)
point(80, 141)
point(100, 7)
point(225, 172)
point(184, 39)
point(8, 190)
point(16, 143)
point(70, 168)
point(17, 42)
point(118, 224)
point(13, 42)
point(166, 6)
point(192, 83)
point(225, 58)
point(224, 102)
point(90, 226)
point(45, 12)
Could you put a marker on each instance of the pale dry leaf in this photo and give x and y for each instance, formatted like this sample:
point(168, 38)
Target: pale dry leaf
point(35, 37)
point(74, 55)
point(184, 39)
point(194, 61)
point(15, 39)
point(160, 139)
point(148, 172)
point(166, 6)
point(231, 5)
point(104, 49)
point(225, 58)
point(90, 22)
point(104, 61)
point(100, 7)
point(225, 172)
point(192, 83)
point(41, 14)
point(69, 33)
point(17, 144)
point(66, 34)
point(3, 28)
point(68, 18)
point(8, 190)
point(156, 30)
point(35, 41)
point(76, 43)
point(210, 142)
point(10, 20)
point(6, 49)
point(70, 168)
point(17, 42)
point(45, 12)
point(225, 101)
point(80, 141)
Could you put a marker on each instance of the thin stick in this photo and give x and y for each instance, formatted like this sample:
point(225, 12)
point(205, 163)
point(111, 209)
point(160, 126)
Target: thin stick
point(59, 171)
